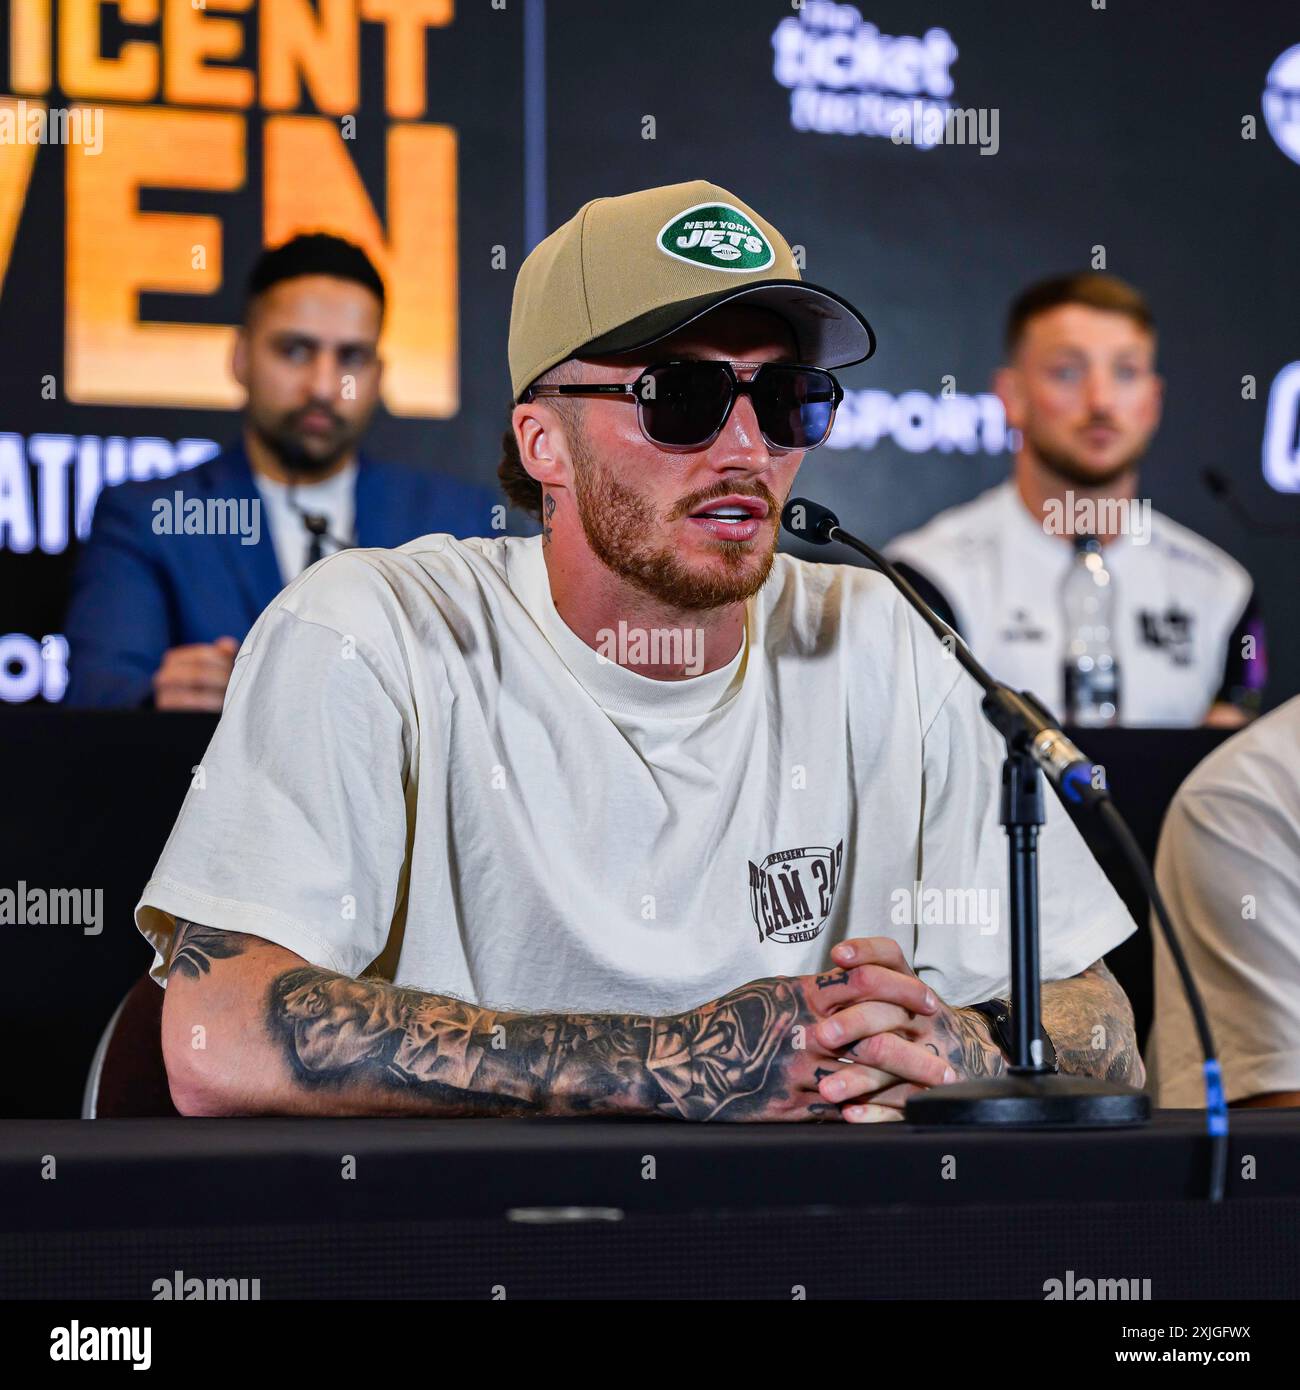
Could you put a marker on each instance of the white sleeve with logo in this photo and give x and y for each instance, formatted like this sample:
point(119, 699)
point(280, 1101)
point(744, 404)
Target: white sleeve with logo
point(963, 944)
point(294, 829)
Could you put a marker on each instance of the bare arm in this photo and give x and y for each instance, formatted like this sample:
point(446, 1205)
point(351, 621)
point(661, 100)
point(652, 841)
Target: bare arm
point(280, 1036)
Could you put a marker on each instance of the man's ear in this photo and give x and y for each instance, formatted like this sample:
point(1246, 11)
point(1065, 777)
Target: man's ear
point(543, 449)
point(1008, 386)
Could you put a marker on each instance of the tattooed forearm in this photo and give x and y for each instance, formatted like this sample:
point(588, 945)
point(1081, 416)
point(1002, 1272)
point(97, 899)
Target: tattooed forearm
point(1090, 1021)
point(294, 1038)
point(964, 1041)
point(1088, 1018)
point(195, 947)
point(472, 1060)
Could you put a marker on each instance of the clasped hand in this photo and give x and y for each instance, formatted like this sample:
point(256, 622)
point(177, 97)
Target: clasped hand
point(890, 1033)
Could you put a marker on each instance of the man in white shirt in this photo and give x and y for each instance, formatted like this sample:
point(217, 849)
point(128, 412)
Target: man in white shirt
point(636, 816)
point(1229, 868)
point(1080, 385)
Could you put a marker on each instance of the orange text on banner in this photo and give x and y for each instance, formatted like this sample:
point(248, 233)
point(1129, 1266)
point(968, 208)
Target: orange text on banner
point(417, 257)
point(115, 252)
point(15, 174)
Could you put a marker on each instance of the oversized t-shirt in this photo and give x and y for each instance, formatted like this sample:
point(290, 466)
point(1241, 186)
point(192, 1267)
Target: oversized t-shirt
point(1229, 868)
point(422, 769)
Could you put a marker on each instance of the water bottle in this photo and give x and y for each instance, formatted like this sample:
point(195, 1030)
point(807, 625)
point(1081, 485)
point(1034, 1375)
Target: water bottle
point(1091, 671)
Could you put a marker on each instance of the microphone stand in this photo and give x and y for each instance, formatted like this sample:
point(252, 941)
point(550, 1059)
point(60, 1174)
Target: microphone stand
point(317, 527)
point(1029, 1095)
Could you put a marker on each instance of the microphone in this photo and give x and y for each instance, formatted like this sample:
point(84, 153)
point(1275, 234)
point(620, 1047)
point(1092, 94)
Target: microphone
point(1027, 1095)
point(318, 527)
point(1014, 715)
point(1222, 489)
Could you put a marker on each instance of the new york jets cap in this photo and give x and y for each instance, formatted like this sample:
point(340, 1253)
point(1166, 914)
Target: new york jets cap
point(624, 272)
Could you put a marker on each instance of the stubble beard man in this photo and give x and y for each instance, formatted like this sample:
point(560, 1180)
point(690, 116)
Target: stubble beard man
point(1069, 470)
point(285, 439)
point(615, 519)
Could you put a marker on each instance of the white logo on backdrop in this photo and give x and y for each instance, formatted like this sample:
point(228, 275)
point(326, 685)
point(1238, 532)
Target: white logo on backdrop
point(919, 423)
point(30, 667)
point(846, 77)
point(1282, 431)
point(49, 482)
point(1281, 102)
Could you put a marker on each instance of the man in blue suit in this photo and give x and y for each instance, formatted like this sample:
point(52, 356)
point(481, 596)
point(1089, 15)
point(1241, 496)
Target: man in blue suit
point(175, 571)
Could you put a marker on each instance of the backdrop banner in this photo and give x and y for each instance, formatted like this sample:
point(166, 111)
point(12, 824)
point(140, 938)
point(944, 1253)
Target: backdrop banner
point(925, 160)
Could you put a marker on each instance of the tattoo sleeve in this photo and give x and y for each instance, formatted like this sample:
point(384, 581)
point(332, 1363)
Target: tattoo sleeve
point(1091, 1024)
point(724, 1060)
point(195, 947)
point(962, 1038)
point(1088, 1018)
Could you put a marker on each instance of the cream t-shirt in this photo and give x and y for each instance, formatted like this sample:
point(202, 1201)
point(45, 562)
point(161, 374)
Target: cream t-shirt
point(1229, 869)
point(419, 764)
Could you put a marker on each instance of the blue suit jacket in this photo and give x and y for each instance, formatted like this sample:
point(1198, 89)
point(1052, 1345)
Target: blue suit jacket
point(136, 593)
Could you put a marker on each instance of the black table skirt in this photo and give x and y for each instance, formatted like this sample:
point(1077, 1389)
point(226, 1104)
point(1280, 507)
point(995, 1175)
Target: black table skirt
point(562, 1209)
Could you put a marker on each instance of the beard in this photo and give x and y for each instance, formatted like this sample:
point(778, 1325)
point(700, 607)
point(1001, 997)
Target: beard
point(1068, 468)
point(285, 440)
point(617, 522)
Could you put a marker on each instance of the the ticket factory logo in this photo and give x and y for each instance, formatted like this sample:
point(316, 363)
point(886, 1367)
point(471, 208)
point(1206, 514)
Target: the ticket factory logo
point(151, 107)
point(845, 77)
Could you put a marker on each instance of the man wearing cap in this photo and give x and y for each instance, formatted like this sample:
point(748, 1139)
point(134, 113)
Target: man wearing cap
point(635, 816)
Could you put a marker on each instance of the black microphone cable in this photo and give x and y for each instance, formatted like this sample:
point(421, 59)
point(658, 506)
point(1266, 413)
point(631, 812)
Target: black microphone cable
point(1066, 767)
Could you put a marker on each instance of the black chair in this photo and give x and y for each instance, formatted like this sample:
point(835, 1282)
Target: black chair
point(127, 1077)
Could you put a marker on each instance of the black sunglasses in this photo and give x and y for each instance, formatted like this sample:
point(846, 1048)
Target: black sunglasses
point(683, 405)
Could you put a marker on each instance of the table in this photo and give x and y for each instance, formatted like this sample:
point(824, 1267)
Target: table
point(642, 1209)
